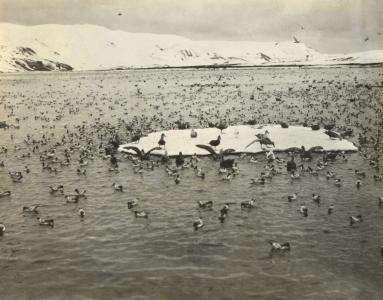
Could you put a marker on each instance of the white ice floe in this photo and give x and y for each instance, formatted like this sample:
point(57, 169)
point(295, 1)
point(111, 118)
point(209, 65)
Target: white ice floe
point(237, 138)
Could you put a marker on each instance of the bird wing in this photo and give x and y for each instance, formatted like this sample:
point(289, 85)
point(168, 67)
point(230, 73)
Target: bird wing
point(315, 149)
point(135, 149)
point(260, 135)
point(257, 140)
point(207, 148)
point(228, 151)
point(155, 148)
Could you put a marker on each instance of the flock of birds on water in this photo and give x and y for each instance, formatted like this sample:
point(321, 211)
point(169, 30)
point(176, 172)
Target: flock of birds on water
point(343, 106)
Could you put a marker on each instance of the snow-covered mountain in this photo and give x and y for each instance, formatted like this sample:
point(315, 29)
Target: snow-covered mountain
point(90, 47)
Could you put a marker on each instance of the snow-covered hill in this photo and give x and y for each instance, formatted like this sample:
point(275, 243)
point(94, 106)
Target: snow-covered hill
point(90, 47)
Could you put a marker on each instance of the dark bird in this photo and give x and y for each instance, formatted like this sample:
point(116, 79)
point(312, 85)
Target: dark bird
point(205, 204)
point(193, 133)
point(221, 126)
point(284, 125)
point(333, 134)
point(291, 165)
point(366, 39)
point(141, 153)
point(315, 127)
point(2, 229)
point(296, 40)
point(215, 143)
point(162, 142)
point(180, 160)
point(136, 136)
point(329, 126)
point(224, 163)
point(330, 156)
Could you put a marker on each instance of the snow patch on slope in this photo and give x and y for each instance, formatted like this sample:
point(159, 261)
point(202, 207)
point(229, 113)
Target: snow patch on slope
point(90, 47)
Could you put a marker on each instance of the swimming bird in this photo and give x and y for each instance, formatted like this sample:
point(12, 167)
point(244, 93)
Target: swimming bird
point(358, 184)
point(356, 219)
point(205, 204)
point(180, 160)
point(338, 182)
point(72, 198)
point(5, 194)
point(197, 224)
point(295, 175)
point(380, 201)
point(162, 141)
point(46, 222)
point(292, 197)
point(224, 163)
point(303, 210)
point(360, 173)
point(248, 204)
point(275, 246)
point(31, 209)
point(224, 209)
point(378, 177)
point(228, 177)
point(132, 203)
point(330, 209)
point(81, 213)
point(222, 217)
point(2, 229)
point(261, 180)
point(55, 189)
point(177, 179)
point(316, 198)
point(141, 214)
point(117, 187)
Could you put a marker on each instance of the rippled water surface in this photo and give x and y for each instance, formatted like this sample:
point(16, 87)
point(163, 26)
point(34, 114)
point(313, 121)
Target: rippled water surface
point(110, 254)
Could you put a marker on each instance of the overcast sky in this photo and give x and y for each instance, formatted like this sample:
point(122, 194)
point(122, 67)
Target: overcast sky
point(326, 25)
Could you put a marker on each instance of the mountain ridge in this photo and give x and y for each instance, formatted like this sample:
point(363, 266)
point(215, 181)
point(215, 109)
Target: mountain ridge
point(51, 47)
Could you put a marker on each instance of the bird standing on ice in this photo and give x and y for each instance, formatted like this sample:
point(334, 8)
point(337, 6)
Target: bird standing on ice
point(162, 142)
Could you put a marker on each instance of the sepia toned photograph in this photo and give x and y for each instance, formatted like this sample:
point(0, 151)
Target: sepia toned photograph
point(183, 150)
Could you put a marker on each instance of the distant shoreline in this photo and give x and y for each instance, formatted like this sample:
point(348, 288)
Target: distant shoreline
point(213, 67)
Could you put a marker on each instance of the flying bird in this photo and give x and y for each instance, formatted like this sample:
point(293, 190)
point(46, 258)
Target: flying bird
point(296, 40)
